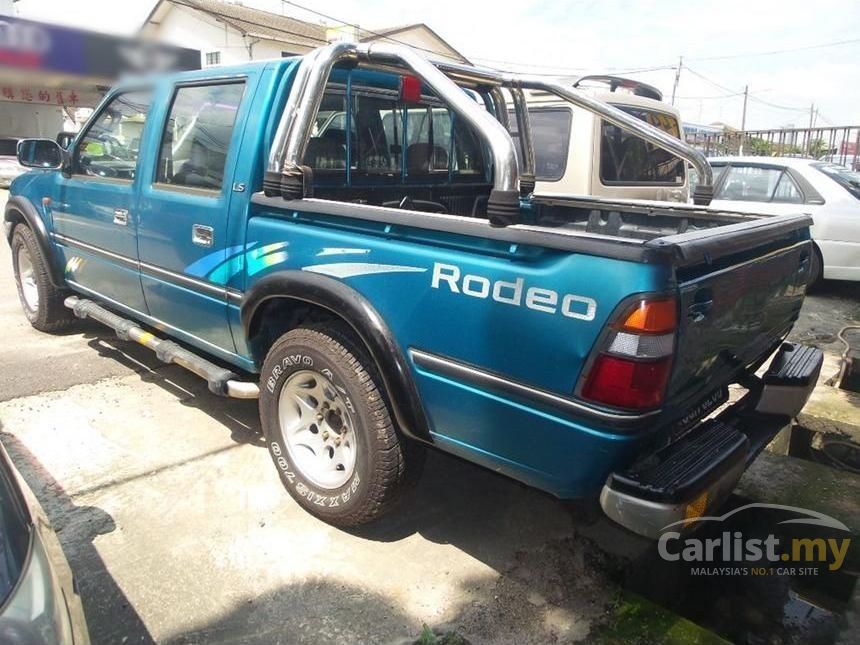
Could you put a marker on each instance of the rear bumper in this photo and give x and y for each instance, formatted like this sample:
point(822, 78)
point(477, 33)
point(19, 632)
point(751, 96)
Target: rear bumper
point(698, 472)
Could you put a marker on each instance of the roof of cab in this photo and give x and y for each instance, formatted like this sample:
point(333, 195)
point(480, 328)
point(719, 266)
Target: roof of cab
point(221, 71)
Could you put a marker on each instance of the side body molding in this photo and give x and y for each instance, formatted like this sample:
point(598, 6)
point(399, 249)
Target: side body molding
point(351, 306)
point(20, 208)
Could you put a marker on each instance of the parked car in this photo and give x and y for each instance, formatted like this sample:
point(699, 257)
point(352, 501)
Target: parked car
point(579, 153)
point(849, 162)
point(39, 602)
point(9, 166)
point(392, 285)
point(778, 185)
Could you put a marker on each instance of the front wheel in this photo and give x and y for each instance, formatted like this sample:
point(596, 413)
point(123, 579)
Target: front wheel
point(41, 300)
point(328, 427)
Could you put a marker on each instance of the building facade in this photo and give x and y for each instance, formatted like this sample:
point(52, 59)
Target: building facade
point(228, 33)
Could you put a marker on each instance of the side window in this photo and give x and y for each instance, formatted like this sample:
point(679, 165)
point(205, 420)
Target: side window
point(787, 191)
point(749, 183)
point(551, 139)
point(110, 146)
point(197, 135)
point(627, 159)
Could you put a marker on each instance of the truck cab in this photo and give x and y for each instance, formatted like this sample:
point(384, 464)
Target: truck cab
point(579, 153)
point(348, 237)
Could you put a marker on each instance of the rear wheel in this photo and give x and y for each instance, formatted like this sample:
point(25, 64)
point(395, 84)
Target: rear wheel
point(328, 427)
point(41, 300)
point(816, 268)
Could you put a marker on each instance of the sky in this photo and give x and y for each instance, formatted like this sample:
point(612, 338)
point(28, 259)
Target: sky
point(724, 45)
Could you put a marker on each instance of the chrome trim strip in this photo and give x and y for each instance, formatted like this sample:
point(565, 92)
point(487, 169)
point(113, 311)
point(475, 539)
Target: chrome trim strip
point(155, 271)
point(122, 259)
point(487, 380)
point(184, 280)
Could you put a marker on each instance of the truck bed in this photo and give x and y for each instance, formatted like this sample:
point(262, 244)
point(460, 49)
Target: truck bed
point(629, 218)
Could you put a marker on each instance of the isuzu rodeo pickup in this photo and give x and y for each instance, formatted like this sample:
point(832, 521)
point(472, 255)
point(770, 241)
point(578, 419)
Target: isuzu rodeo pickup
point(347, 237)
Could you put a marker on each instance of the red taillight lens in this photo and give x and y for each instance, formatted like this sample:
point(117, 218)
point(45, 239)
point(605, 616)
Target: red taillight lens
point(633, 364)
point(627, 384)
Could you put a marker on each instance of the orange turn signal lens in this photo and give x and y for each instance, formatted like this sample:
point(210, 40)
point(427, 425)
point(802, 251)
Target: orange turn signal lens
point(652, 317)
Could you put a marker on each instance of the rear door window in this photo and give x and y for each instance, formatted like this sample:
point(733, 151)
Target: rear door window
point(197, 135)
point(626, 158)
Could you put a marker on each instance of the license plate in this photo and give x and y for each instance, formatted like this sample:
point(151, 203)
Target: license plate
point(702, 409)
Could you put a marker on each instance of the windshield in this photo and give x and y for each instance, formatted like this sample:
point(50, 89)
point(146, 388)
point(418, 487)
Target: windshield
point(849, 180)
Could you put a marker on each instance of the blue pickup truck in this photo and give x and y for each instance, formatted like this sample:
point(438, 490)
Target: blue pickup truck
point(353, 237)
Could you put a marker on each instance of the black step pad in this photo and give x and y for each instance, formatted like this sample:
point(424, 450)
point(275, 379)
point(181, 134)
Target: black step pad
point(794, 365)
point(679, 471)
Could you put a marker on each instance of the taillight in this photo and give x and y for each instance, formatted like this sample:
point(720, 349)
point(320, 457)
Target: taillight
point(632, 367)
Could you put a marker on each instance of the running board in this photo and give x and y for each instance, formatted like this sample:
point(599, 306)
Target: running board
point(221, 381)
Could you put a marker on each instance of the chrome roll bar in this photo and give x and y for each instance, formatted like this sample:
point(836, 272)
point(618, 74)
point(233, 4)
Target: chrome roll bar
point(477, 75)
point(703, 192)
point(285, 174)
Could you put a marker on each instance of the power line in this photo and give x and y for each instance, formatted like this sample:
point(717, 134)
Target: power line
point(773, 52)
point(705, 98)
point(561, 70)
point(751, 97)
point(362, 29)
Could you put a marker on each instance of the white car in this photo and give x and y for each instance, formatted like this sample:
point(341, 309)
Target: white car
point(779, 185)
point(9, 166)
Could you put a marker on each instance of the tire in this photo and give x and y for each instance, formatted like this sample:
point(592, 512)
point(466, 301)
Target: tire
point(816, 268)
point(42, 301)
point(338, 455)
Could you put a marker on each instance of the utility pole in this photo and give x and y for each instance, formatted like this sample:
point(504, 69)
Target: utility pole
point(744, 120)
point(808, 146)
point(677, 77)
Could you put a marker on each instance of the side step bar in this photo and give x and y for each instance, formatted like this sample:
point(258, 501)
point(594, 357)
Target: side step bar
point(221, 381)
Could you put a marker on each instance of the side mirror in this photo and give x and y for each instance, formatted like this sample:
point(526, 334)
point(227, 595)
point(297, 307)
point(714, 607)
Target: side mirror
point(39, 153)
point(65, 138)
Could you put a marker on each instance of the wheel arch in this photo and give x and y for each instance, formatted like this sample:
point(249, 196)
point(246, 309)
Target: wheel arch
point(21, 211)
point(341, 302)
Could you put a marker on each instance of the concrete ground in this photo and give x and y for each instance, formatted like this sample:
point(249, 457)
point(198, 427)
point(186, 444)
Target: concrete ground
point(178, 530)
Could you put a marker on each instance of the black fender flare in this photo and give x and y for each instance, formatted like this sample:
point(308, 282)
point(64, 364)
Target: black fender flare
point(349, 305)
point(20, 208)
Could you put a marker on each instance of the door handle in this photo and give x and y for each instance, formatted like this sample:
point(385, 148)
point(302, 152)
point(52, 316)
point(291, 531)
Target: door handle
point(120, 216)
point(698, 311)
point(202, 235)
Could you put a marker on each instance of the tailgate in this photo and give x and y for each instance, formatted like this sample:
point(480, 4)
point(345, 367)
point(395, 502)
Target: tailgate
point(736, 306)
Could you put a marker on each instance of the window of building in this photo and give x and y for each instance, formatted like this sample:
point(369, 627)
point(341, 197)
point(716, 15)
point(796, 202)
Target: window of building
point(197, 135)
point(110, 146)
point(626, 158)
point(213, 58)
